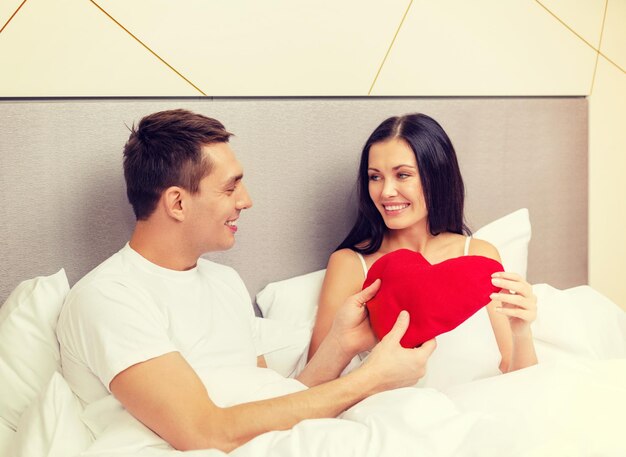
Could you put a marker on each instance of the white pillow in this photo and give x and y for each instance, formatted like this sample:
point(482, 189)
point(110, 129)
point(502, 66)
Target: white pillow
point(282, 344)
point(292, 300)
point(579, 322)
point(52, 424)
point(29, 350)
point(292, 303)
point(510, 235)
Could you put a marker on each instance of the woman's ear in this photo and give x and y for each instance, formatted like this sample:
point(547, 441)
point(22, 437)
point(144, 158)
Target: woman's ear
point(172, 200)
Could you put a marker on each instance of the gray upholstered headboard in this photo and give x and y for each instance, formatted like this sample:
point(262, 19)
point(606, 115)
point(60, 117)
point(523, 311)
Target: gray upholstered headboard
point(64, 202)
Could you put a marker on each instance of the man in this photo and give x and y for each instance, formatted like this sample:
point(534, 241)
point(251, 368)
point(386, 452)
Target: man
point(171, 336)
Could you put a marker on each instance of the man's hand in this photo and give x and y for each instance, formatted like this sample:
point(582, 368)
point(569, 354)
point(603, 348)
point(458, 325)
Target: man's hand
point(393, 366)
point(388, 366)
point(351, 328)
point(350, 334)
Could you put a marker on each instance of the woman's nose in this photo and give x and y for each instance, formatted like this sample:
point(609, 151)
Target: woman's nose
point(389, 188)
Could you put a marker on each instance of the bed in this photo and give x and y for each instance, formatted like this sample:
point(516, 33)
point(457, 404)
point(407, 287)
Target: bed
point(524, 162)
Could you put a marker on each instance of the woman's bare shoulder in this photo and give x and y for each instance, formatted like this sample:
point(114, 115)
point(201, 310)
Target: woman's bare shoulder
point(344, 276)
point(343, 255)
point(484, 248)
point(343, 260)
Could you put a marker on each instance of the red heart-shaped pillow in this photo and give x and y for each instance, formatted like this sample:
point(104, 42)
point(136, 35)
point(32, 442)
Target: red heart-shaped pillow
point(438, 297)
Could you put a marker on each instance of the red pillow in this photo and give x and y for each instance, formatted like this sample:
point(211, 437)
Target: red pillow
point(438, 297)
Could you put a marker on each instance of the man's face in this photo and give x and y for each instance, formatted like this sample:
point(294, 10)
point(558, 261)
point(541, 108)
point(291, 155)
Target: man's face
point(213, 211)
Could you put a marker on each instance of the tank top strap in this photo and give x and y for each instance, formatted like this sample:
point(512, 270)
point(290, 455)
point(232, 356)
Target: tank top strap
point(362, 263)
point(467, 243)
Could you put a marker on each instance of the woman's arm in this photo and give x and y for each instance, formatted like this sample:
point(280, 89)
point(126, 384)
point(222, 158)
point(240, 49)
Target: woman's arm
point(344, 277)
point(510, 314)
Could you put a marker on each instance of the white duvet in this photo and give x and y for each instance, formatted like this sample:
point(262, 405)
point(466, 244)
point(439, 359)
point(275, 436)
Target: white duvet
point(571, 404)
point(556, 409)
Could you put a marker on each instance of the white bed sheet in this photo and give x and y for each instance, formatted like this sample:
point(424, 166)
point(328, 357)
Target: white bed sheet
point(571, 404)
point(570, 408)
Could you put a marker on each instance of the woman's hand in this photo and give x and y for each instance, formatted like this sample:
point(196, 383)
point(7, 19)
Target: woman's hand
point(351, 326)
point(517, 301)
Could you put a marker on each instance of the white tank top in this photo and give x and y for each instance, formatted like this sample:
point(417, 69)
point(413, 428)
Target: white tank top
point(362, 259)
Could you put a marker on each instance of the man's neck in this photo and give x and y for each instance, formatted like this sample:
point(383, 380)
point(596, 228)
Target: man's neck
point(161, 247)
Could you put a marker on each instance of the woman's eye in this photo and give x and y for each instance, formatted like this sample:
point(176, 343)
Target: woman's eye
point(374, 178)
point(403, 175)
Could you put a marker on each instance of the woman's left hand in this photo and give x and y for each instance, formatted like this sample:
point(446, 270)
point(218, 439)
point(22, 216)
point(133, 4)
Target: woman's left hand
point(517, 301)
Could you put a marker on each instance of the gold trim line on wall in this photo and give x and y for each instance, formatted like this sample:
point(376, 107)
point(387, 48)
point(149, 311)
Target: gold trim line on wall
point(12, 16)
point(595, 68)
point(406, 12)
point(580, 37)
point(147, 48)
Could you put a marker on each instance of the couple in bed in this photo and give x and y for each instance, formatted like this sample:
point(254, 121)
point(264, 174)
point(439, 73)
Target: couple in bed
point(158, 332)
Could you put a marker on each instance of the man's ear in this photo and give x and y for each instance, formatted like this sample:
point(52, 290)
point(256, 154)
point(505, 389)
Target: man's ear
point(172, 200)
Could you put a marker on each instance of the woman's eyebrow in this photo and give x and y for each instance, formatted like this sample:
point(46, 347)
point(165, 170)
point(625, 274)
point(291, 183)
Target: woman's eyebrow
point(394, 168)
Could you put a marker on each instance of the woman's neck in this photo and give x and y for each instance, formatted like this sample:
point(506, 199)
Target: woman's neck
point(415, 238)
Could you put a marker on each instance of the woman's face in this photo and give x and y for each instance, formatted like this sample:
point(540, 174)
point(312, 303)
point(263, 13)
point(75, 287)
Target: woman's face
point(394, 184)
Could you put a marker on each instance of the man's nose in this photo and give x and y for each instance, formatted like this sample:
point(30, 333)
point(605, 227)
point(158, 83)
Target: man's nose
point(244, 201)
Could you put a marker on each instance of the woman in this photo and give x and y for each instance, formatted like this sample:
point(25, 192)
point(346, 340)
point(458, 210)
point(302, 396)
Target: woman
point(411, 195)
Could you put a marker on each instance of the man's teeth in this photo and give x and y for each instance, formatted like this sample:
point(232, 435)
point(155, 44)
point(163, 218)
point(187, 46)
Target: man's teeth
point(396, 207)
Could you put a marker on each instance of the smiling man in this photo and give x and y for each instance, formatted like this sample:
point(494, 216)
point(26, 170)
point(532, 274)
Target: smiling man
point(170, 336)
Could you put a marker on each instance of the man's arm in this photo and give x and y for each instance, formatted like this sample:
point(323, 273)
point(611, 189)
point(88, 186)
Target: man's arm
point(168, 397)
point(260, 362)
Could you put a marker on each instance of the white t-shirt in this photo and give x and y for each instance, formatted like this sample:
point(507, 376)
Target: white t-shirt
point(129, 310)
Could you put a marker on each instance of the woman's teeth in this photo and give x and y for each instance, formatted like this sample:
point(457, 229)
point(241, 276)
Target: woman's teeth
point(395, 207)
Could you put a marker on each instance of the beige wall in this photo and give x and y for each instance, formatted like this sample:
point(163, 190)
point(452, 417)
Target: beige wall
point(352, 47)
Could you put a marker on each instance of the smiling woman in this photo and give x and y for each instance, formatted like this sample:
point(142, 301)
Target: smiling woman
point(396, 189)
point(411, 196)
point(436, 185)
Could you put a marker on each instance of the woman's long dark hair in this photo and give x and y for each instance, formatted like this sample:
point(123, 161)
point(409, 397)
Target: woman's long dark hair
point(439, 172)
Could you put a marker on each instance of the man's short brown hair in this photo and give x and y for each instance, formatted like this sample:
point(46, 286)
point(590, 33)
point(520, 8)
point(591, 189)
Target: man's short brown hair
point(165, 150)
